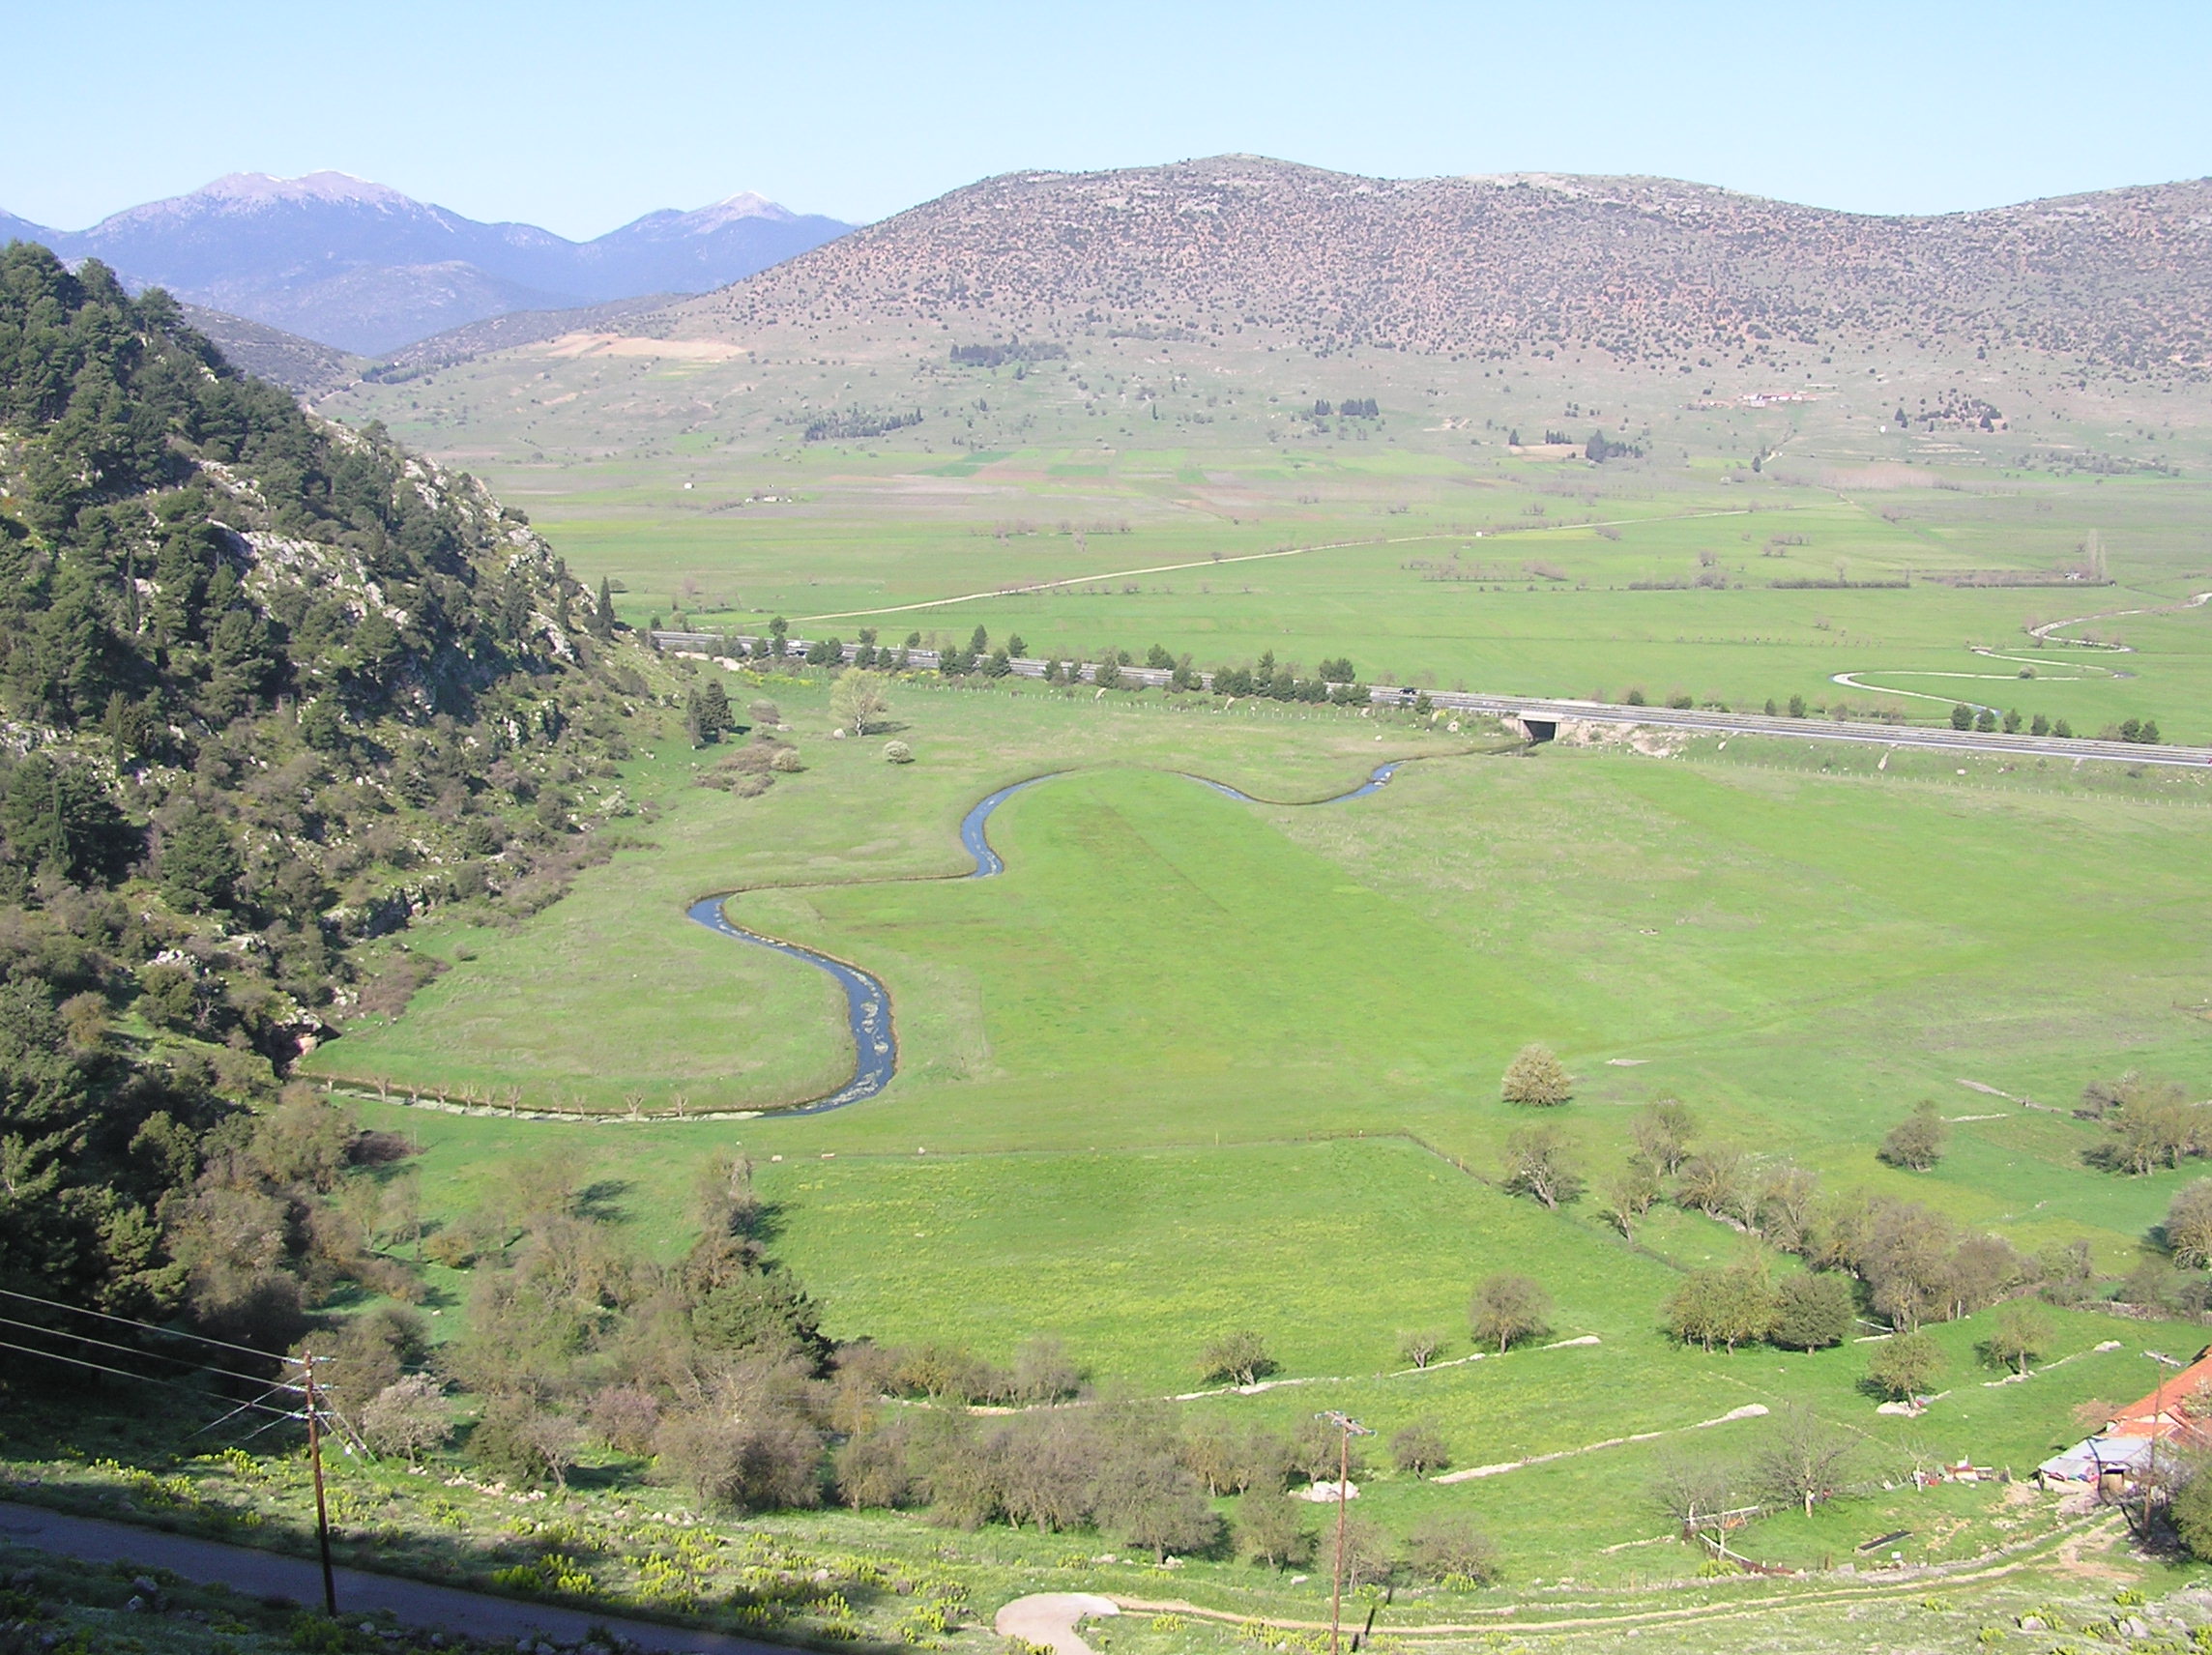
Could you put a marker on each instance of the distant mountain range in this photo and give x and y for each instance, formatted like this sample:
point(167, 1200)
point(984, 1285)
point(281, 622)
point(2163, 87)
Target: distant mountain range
point(355, 265)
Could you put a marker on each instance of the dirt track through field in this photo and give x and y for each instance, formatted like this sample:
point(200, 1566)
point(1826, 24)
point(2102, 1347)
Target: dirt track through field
point(1031, 588)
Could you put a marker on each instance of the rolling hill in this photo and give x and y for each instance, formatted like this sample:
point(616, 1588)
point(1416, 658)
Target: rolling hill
point(1640, 267)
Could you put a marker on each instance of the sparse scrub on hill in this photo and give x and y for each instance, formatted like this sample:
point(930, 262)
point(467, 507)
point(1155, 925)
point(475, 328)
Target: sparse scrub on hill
point(275, 680)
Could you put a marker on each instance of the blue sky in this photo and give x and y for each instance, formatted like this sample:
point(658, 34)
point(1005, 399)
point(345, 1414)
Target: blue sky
point(580, 117)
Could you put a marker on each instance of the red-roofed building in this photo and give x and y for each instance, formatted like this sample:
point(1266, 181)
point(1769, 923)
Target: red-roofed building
point(2178, 1413)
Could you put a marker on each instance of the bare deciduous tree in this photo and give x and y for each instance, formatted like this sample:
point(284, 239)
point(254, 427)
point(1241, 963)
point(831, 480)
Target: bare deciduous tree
point(1539, 1163)
point(1663, 1129)
point(1803, 1460)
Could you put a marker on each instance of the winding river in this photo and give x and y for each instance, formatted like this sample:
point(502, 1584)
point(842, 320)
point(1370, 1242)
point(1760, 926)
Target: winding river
point(867, 1004)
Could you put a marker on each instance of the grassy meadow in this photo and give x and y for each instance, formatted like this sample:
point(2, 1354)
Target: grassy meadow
point(1191, 1065)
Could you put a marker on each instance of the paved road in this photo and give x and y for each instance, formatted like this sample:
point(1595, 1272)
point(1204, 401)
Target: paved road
point(267, 1574)
point(1554, 712)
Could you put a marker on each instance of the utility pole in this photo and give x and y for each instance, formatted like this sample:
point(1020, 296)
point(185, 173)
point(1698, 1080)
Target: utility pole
point(2157, 1422)
point(1348, 1429)
point(322, 1511)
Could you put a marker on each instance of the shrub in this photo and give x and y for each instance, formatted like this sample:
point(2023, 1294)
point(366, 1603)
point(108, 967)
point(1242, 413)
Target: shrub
point(1691, 1489)
point(1044, 1372)
point(766, 1314)
point(407, 1417)
point(2017, 1336)
point(1420, 1348)
point(1451, 1550)
point(858, 698)
point(1540, 1162)
point(1240, 1358)
point(1508, 1308)
point(2187, 1225)
point(786, 760)
point(625, 1417)
point(1367, 1558)
point(1729, 1307)
point(898, 753)
point(872, 1468)
point(1916, 1142)
point(1813, 1311)
point(1419, 1449)
point(1903, 1366)
point(2191, 1510)
point(1320, 1451)
point(740, 1461)
point(1663, 1129)
point(515, 1439)
point(1271, 1529)
point(1148, 1500)
point(1536, 1077)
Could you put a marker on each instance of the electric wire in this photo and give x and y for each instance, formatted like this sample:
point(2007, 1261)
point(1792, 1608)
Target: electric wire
point(134, 1350)
point(122, 1373)
point(147, 1326)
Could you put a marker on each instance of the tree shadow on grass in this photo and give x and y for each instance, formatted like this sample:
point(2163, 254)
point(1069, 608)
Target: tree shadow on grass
point(601, 1201)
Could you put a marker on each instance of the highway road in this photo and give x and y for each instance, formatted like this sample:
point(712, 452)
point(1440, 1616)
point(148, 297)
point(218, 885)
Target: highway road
point(1542, 715)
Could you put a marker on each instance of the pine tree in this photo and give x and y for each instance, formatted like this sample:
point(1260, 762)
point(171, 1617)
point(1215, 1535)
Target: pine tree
point(715, 716)
point(603, 614)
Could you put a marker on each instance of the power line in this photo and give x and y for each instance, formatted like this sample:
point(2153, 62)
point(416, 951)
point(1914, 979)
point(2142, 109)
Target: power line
point(147, 1326)
point(241, 1407)
point(132, 1351)
point(125, 1374)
